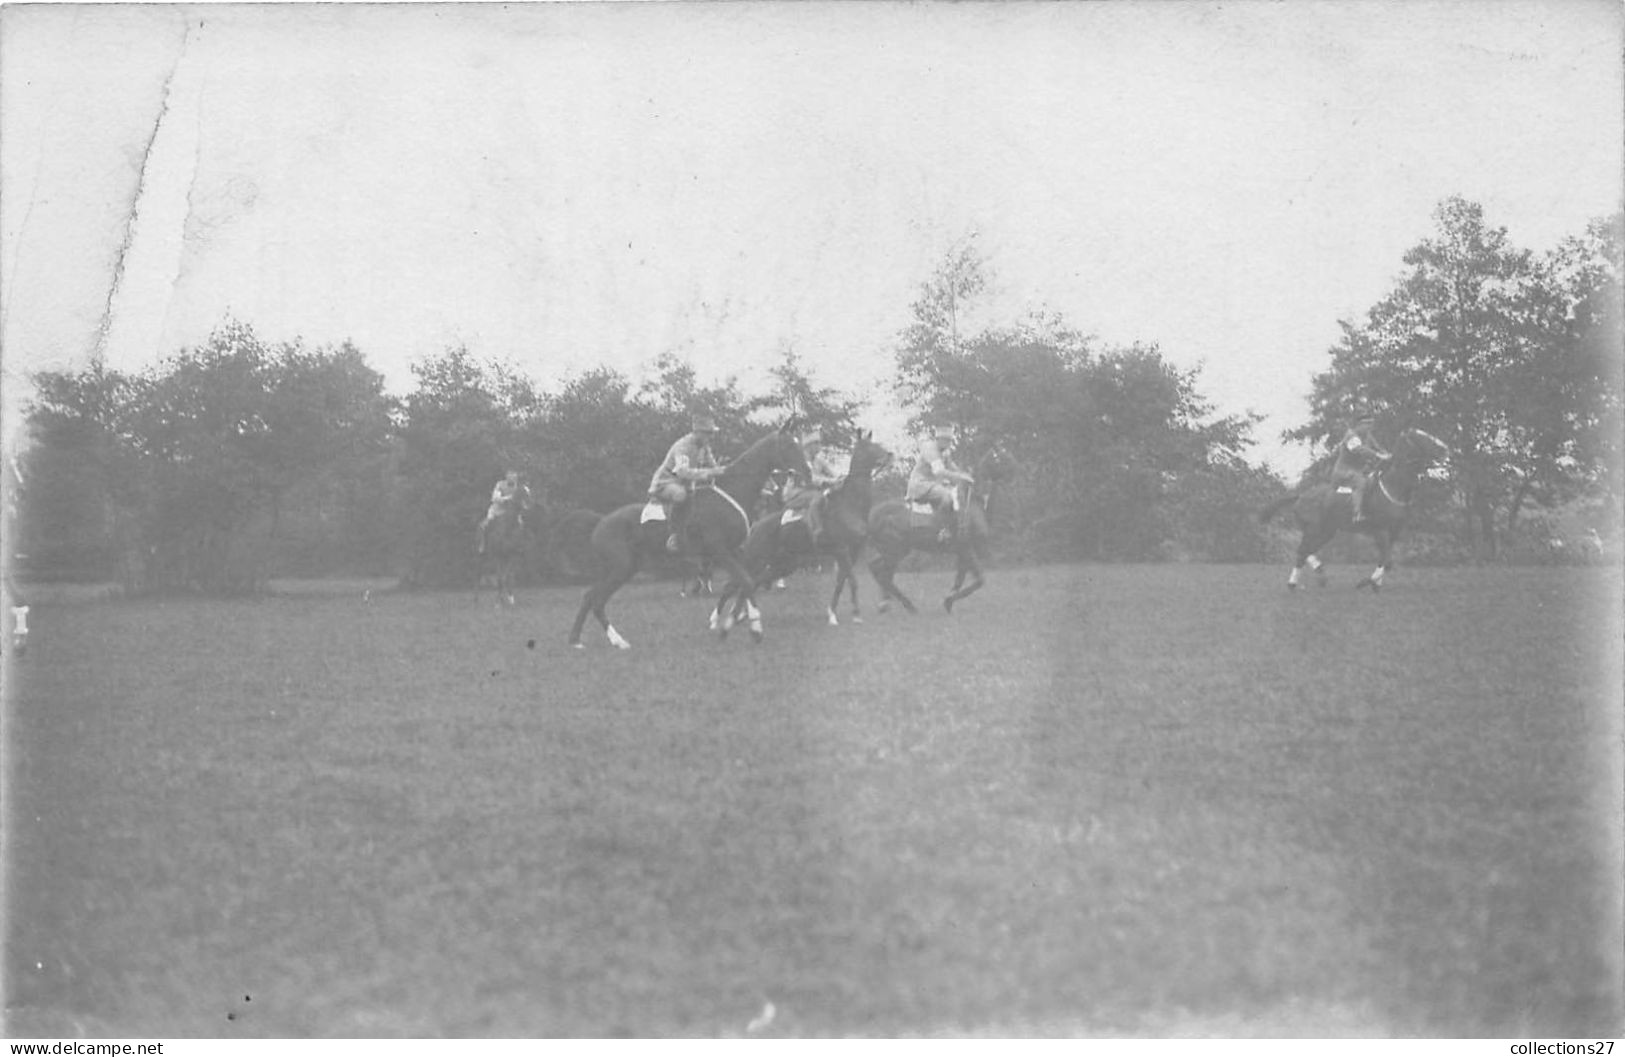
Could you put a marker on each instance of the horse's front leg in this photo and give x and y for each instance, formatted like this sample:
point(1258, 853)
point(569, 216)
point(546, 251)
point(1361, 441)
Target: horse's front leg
point(884, 570)
point(851, 566)
point(743, 587)
point(844, 575)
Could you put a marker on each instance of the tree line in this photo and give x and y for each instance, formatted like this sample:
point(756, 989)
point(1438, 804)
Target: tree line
point(242, 459)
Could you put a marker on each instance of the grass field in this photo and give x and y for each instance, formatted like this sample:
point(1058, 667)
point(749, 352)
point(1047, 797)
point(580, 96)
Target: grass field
point(1094, 801)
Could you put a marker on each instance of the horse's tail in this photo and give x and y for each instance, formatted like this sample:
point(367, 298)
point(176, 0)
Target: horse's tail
point(570, 545)
point(1276, 507)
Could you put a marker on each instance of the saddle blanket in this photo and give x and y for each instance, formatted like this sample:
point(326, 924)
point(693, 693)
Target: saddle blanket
point(790, 517)
point(918, 507)
point(1345, 489)
point(652, 511)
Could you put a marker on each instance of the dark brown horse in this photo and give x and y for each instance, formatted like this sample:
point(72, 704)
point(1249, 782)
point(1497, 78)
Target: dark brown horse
point(507, 542)
point(777, 547)
point(1322, 510)
point(895, 529)
point(714, 528)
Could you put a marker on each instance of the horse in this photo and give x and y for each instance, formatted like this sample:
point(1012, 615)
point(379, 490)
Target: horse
point(716, 524)
point(895, 530)
point(1323, 511)
point(507, 541)
point(781, 542)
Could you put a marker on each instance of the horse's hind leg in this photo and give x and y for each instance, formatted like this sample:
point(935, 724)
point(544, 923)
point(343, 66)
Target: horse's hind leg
point(967, 565)
point(852, 586)
point(884, 568)
point(1374, 581)
point(598, 595)
point(587, 603)
point(615, 637)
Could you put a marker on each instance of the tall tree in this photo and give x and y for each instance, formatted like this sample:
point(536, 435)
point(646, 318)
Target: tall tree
point(795, 395)
point(1100, 434)
point(1485, 345)
point(461, 428)
point(192, 461)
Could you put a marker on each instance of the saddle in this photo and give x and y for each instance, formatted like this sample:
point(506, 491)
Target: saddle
point(1345, 493)
point(923, 516)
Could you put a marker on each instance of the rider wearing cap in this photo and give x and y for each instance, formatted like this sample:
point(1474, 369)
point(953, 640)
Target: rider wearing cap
point(935, 479)
point(811, 496)
point(1357, 455)
point(508, 492)
point(689, 462)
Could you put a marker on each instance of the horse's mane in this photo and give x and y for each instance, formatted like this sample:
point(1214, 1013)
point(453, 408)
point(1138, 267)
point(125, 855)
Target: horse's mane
point(736, 468)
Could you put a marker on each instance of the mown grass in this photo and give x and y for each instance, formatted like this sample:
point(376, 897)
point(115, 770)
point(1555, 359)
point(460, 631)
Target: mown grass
point(1150, 800)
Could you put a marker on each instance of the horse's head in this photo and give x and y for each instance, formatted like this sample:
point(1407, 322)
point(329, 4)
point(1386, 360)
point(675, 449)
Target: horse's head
point(995, 464)
point(867, 456)
point(785, 451)
point(1421, 449)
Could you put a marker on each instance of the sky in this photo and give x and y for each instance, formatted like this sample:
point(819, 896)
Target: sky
point(563, 186)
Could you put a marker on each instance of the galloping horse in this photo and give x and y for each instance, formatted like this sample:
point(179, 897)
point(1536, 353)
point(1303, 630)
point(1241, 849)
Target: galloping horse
point(1322, 511)
point(507, 540)
point(717, 522)
point(895, 530)
point(776, 548)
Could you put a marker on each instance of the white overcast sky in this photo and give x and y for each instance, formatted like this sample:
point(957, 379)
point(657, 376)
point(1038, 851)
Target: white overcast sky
point(566, 185)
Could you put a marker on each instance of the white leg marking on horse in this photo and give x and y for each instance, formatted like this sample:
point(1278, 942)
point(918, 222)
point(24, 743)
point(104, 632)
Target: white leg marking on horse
point(1376, 577)
point(711, 623)
point(834, 621)
point(1313, 562)
point(1292, 580)
point(615, 638)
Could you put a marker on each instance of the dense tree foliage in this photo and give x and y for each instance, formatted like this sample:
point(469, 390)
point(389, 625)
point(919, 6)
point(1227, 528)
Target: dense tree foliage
point(1511, 358)
point(240, 459)
point(1110, 441)
point(181, 476)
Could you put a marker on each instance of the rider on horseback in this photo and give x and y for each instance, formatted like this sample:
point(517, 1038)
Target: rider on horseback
point(1357, 455)
point(810, 497)
point(508, 493)
point(689, 462)
point(936, 479)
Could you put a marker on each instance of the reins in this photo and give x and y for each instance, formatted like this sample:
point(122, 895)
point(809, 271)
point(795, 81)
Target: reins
point(724, 493)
